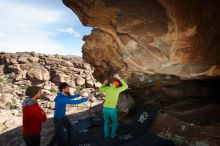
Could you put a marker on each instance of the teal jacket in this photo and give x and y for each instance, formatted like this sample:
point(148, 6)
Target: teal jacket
point(112, 93)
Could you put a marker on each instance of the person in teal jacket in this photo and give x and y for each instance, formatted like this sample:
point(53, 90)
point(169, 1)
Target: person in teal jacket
point(112, 91)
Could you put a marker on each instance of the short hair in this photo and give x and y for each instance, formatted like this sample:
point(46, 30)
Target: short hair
point(63, 85)
point(31, 91)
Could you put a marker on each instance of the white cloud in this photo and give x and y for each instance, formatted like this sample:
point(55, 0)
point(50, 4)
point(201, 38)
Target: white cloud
point(72, 31)
point(24, 27)
point(26, 13)
point(2, 35)
point(32, 44)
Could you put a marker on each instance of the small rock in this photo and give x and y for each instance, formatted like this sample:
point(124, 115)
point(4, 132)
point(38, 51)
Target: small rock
point(183, 128)
point(98, 84)
point(80, 81)
point(86, 66)
point(89, 83)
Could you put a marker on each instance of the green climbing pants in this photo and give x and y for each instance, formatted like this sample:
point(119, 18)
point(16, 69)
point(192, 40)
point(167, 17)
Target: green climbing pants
point(110, 113)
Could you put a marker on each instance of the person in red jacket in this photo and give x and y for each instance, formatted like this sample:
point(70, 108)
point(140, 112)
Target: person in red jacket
point(33, 116)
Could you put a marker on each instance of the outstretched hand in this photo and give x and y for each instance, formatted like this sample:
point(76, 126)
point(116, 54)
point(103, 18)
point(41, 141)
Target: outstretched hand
point(82, 93)
point(90, 96)
point(116, 76)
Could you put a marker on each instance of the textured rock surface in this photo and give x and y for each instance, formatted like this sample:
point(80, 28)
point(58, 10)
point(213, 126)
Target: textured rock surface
point(38, 73)
point(168, 52)
point(155, 37)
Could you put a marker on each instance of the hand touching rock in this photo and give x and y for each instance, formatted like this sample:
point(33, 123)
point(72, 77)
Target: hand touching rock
point(116, 76)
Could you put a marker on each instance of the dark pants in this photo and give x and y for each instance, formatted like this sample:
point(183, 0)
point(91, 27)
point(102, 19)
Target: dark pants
point(59, 125)
point(32, 140)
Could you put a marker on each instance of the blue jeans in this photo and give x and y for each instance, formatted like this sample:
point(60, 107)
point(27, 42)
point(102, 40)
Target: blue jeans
point(110, 113)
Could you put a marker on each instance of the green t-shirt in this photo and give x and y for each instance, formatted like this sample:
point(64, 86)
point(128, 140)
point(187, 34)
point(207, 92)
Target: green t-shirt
point(112, 93)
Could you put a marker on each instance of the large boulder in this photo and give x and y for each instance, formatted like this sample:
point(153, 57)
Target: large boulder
point(5, 58)
point(21, 75)
point(2, 69)
point(22, 60)
point(13, 61)
point(52, 60)
point(151, 37)
point(66, 63)
point(41, 62)
point(38, 74)
point(32, 59)
point(58, 76)
point(26, 66)
point(14, 68)
point(78, 71)
point(76, 63)
point(6, 100)
point(72, 83)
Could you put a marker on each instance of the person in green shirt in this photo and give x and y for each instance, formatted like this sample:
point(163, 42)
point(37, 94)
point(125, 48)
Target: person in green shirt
point(112, 91)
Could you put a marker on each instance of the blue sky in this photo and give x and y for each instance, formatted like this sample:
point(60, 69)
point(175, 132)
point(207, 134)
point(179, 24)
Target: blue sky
point(43, 26)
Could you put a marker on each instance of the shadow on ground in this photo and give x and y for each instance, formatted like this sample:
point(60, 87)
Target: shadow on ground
point(88, 130)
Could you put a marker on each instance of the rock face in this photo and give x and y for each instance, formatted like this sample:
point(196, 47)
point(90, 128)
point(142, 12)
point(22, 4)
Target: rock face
point(167, 51)
point(151, 37)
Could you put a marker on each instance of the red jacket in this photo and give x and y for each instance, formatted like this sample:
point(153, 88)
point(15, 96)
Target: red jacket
point(33, 116)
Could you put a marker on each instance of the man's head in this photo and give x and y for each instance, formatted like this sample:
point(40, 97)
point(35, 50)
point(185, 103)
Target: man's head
point(34, 92)
point(64, 88)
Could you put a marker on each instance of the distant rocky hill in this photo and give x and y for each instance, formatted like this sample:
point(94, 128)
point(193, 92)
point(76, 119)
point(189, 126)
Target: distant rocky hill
point(20, 70)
